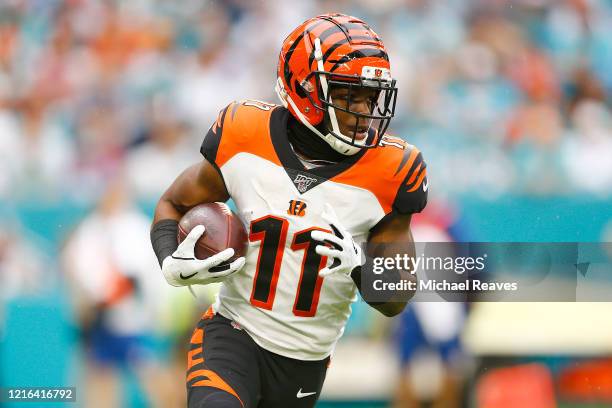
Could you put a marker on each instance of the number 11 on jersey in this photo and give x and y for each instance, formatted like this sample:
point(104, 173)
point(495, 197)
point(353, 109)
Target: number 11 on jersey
point(272, 232)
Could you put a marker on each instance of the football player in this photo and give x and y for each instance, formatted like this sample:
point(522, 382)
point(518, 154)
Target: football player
point(312, 180)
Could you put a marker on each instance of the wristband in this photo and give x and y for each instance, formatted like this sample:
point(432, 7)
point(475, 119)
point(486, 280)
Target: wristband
point(164, 238)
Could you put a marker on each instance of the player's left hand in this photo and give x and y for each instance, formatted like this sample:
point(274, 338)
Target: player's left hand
point(345, 252)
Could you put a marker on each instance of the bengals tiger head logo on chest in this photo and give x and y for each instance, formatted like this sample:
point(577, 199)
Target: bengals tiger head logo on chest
point(297, 207)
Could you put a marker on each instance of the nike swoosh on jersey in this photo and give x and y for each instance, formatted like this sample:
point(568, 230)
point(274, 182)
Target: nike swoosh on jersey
point(426, 186)
point(301, 394)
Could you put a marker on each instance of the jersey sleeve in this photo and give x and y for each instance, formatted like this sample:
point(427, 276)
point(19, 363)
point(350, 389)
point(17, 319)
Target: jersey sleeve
point(212, 140)
point(411, 196)
point(241, 127)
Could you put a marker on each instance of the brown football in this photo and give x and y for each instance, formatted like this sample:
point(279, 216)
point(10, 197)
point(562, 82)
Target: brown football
point(223, 230)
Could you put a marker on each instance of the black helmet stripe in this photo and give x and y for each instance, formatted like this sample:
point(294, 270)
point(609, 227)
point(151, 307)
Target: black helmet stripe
point(328, 52)
point(363, 53)
point(331, 31)
point(337, 24)
point(364, 37)
point(355, 25)
point(287, 72)
point(333, 48)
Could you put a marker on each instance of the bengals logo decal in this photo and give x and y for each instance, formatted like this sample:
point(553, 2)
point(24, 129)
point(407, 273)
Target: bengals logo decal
point(297, 208)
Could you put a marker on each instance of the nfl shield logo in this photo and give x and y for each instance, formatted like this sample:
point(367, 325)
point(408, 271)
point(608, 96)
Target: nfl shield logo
point(378, 72)
point(302, 182)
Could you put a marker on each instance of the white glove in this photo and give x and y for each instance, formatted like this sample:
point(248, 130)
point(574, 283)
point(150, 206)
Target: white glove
point(345, 252)
point(183, 268)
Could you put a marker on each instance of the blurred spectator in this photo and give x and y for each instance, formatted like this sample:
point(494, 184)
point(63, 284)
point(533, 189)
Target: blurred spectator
point(430, 355)
point(587, 153)
point(23, 269)
point(152, 166)
point(36, 152)
point(501, 97)
point(119, 301)
point(9, 161)
point(478, 100)
point(427, 337)
point(584, 85)
point(492, 80)
point(25, 272)
point(99, 156)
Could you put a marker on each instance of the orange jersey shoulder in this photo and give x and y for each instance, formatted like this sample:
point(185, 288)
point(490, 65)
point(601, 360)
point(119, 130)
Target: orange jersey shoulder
point(240, 127)
point(394, 172)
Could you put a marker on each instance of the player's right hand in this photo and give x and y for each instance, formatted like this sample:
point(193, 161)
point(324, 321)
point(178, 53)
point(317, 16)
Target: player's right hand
point(183, 268)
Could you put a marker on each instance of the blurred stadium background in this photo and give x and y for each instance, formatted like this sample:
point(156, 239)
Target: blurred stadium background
point(103, 103)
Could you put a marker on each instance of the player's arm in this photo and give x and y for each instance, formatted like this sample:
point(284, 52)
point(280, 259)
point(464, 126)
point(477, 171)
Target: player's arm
point(392, 235)
point(384, 240)
point(200, 183)
point(388, 237)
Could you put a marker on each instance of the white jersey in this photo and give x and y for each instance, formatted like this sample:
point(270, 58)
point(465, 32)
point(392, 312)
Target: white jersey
point(278, 297)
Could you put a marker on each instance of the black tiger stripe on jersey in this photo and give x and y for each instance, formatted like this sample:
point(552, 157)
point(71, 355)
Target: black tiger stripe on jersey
point(414, 166)
point(195, 359)
point(410, 197)
point(198, 374)
point(213, 138)
point(417, 180)
point(407, 159)
point(413, 176)
point(240, 373)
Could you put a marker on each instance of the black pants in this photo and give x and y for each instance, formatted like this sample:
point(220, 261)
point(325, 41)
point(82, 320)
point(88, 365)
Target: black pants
point(227, 369)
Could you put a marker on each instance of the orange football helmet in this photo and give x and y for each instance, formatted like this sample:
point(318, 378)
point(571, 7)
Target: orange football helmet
point(336, 50)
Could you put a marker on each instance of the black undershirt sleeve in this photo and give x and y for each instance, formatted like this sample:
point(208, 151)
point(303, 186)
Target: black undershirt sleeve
point(164, 238)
